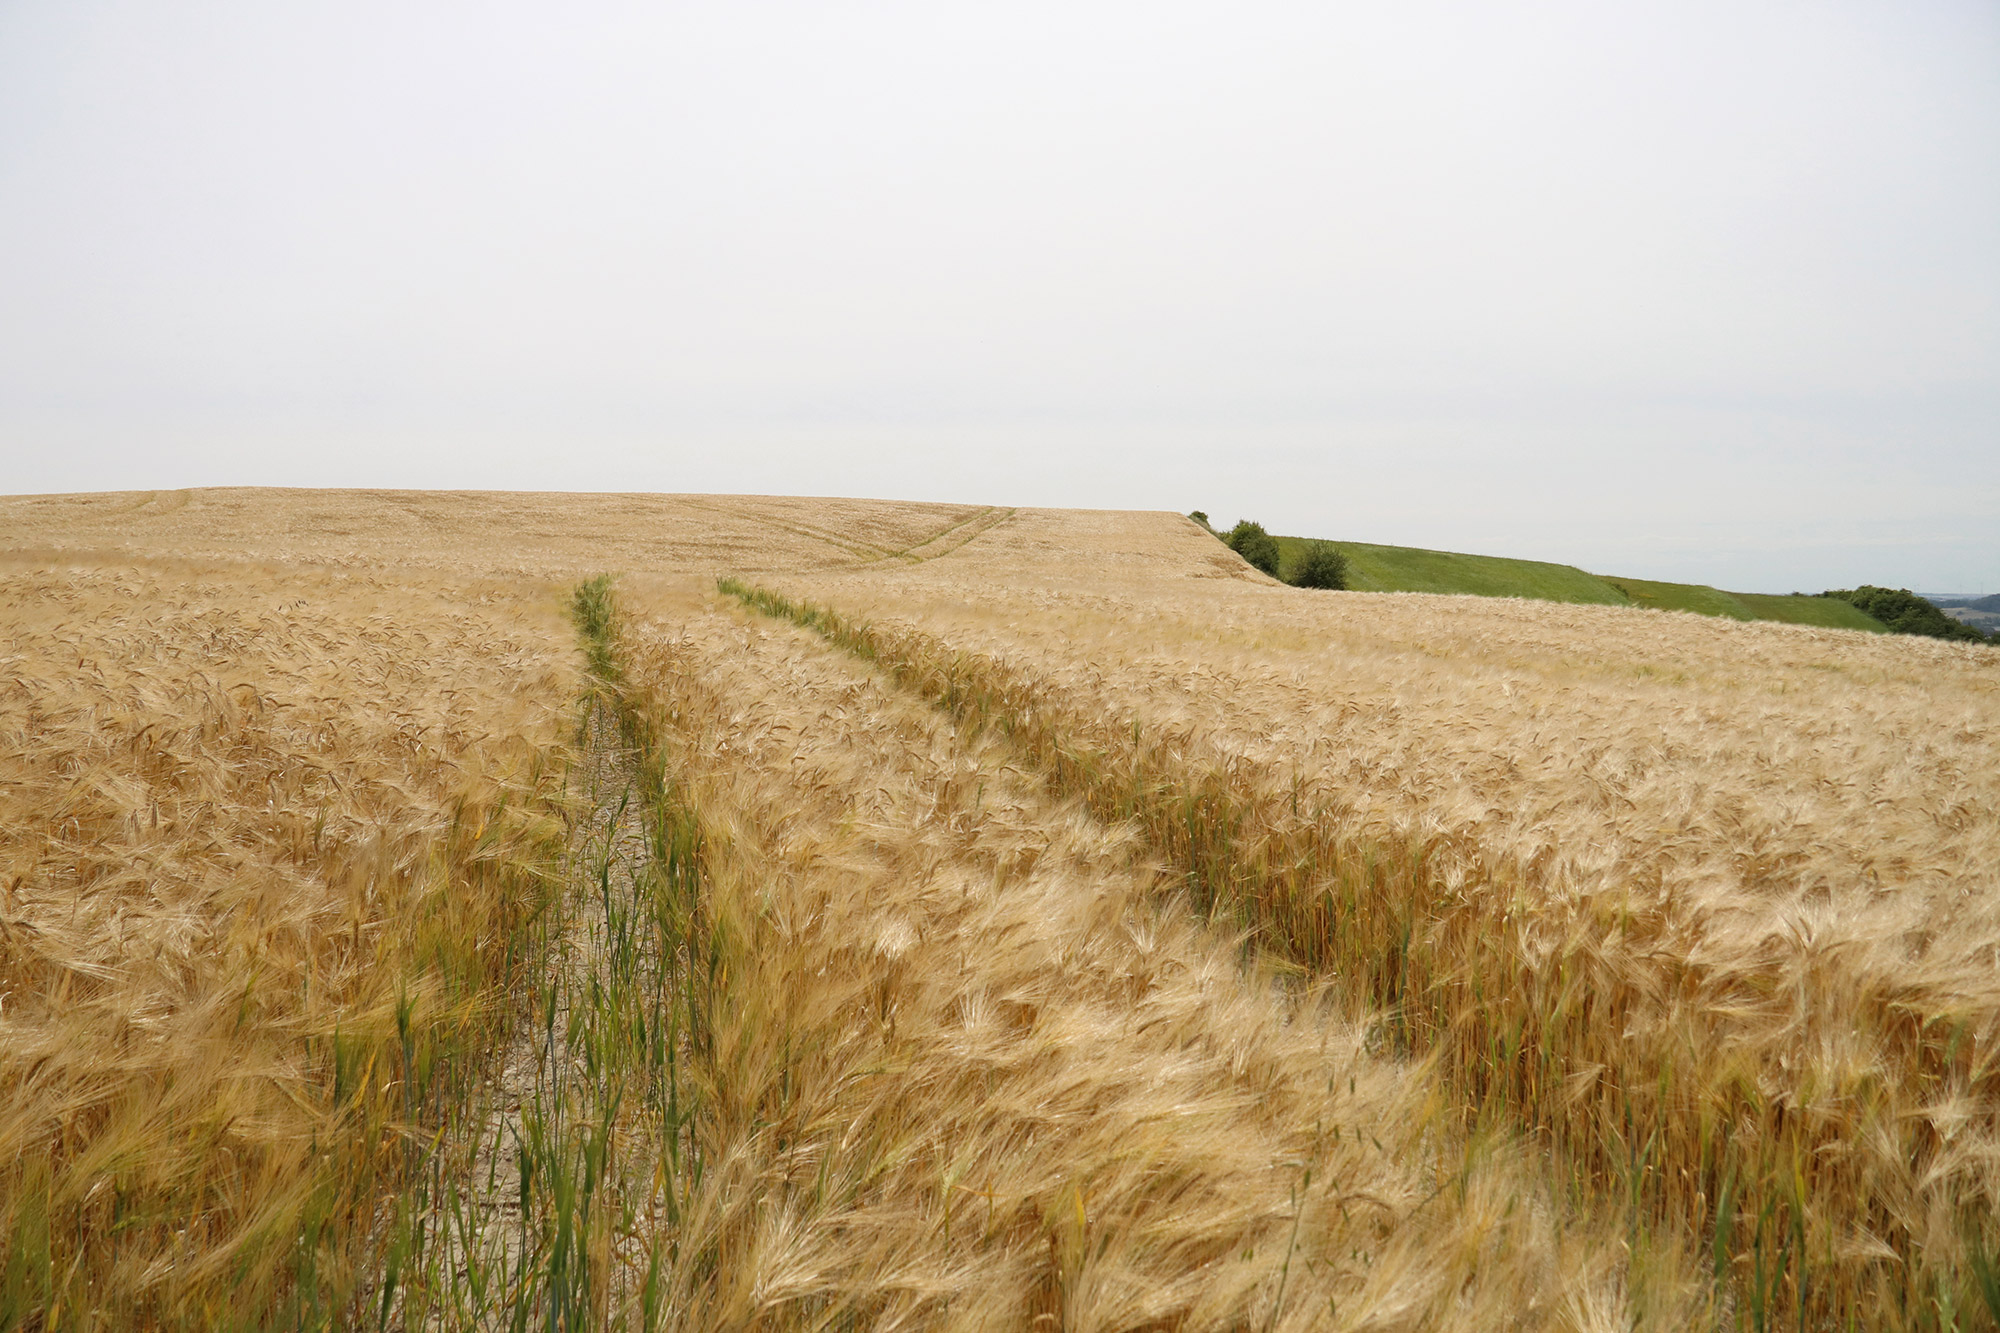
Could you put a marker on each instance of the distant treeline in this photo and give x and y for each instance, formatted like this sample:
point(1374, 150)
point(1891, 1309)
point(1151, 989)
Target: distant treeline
point(1906, 613)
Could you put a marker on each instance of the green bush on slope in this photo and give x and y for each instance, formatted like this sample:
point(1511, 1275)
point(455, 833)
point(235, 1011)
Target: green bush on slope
point(1321, 566)
point(1255, 545)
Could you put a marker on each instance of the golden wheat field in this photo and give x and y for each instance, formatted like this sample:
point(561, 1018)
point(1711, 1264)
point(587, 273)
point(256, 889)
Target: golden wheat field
point(459, 910)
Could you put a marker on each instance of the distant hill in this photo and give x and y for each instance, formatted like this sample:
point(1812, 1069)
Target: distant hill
point(1971, 614)
point(1374, 568)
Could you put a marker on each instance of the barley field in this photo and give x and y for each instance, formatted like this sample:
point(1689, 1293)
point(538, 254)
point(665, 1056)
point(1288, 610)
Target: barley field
point(262, 841)
point(960, 916)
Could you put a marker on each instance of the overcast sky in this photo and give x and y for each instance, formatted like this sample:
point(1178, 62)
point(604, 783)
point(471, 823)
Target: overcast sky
point(1681, 290)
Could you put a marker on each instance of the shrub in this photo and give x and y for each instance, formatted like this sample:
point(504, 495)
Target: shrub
point(1201, 518)
point(1255, 545)
point(1322, 566)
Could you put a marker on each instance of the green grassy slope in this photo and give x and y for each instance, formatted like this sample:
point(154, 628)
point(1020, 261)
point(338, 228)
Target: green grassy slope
point(1829, 612)
point(1695, 597)
point(1373, 568)
point(1408, 569)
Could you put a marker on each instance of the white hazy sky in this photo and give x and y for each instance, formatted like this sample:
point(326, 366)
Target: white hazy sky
point(1683, 289)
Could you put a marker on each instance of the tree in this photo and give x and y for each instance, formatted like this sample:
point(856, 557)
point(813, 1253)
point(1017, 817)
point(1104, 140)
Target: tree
point(1905, 612)
point(1255, 545)
point(1322, 566)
